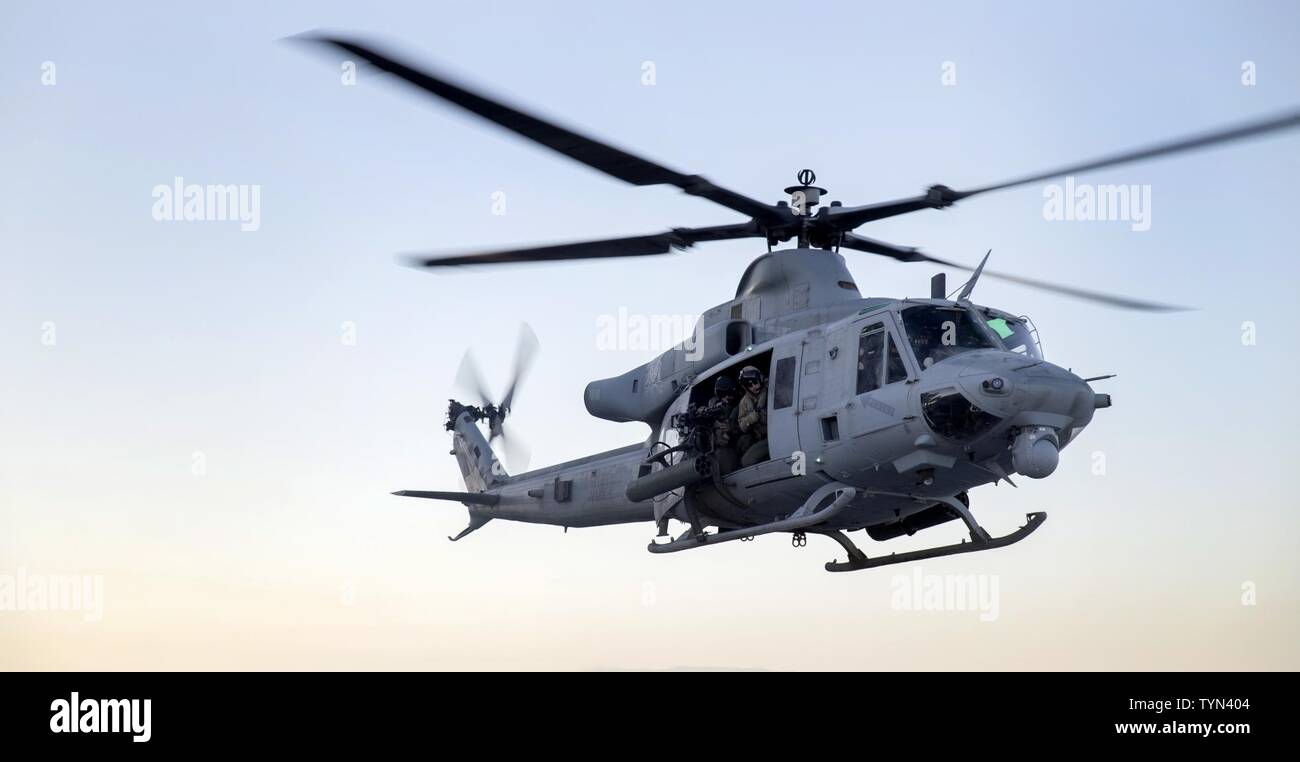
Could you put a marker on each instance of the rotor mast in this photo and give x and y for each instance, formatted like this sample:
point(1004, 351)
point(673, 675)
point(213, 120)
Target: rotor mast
point(803, 197)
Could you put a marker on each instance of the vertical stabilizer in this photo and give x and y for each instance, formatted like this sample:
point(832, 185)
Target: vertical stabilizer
point(478, 464)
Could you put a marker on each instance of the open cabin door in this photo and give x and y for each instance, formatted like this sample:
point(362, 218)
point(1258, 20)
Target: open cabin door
point(782, 423)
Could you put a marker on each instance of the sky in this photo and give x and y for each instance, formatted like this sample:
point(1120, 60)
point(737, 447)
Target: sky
point(209, 420)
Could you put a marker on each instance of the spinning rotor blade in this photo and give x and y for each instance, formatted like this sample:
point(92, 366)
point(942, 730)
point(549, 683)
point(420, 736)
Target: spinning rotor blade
point(517, 453)
point(910, 254)
point(636, 246)
point(1203, 140)
point(872, 246)
point(595, 154)
point(469, 378)
point(940, 196)
point(525, 352)
point(495, 414)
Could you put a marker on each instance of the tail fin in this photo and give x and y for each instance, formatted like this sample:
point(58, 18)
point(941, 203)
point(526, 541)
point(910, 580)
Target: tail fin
point(478, 464)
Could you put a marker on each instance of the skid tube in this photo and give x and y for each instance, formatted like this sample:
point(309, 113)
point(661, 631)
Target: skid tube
point(979, 541)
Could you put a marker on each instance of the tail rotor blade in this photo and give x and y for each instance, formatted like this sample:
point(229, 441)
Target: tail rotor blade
point(469, 378)
point(525, 353)
point(517, 453)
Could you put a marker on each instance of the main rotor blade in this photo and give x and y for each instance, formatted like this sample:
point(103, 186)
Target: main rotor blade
point(1190, 143)
point(872, 246)
point(940, 196)
point(635, 246)
point(910, 254)
point(525, 352)
point(595, 154)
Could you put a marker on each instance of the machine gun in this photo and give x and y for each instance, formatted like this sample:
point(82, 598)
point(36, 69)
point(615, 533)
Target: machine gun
point(696, 425)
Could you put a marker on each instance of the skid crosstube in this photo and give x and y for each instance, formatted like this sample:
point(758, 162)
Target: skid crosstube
point(859, 560)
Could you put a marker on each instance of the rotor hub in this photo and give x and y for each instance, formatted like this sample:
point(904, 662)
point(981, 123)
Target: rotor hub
point(805, 195)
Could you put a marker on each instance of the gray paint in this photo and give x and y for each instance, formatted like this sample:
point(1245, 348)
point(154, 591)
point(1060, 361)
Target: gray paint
point(800, 304)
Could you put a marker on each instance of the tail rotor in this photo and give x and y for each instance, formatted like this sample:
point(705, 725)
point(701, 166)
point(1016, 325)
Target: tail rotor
point(469, 379)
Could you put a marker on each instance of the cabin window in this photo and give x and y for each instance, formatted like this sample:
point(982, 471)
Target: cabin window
point(879, 361)
point(783, 384)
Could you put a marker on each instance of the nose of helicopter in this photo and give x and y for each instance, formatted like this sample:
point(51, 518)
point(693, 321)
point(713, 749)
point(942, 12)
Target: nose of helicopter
point(1045, 405)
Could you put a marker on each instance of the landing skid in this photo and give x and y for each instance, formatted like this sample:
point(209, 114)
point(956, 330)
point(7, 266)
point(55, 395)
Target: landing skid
point(980, 540)
point(812, 513)
point(808, 514)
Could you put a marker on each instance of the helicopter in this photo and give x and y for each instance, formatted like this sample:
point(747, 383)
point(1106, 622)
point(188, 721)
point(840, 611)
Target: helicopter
point(880, 414)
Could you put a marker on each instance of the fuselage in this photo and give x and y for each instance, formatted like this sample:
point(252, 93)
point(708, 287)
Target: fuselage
point(903, 399)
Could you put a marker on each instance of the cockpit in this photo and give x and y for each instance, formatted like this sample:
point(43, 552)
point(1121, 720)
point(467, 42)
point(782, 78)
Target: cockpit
point(935, 333)
point(938, 332)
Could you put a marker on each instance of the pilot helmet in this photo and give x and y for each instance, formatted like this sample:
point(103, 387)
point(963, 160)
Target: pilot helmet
point(724, 387)
point(749, 375)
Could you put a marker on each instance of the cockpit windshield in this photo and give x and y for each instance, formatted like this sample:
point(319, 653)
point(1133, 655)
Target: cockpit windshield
point(937, 333)
point(1016, 334)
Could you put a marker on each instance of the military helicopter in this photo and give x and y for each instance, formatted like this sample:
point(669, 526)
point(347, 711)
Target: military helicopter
point(881, 414)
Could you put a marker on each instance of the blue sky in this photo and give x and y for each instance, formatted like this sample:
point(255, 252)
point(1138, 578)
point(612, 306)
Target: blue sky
point(176, 339)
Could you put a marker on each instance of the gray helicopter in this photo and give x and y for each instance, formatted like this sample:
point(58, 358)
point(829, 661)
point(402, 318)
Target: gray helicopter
point(876, 414)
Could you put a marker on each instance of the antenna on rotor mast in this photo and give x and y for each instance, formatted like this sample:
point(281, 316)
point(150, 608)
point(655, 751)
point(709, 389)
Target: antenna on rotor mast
point(803, 197)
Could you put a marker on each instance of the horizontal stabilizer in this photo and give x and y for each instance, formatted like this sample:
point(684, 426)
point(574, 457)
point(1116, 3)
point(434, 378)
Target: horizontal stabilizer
point(477, 498)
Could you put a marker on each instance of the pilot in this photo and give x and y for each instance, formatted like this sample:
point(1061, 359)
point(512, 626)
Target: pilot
point(725, 430)
point(751, 417)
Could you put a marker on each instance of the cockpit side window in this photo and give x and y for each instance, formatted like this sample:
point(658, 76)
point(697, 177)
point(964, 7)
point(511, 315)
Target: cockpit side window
point(894, 368)
point(879, 362)
point(1016, 334)
point(937, 333)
